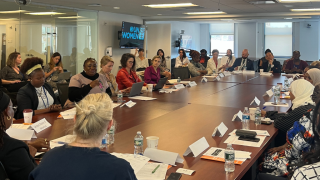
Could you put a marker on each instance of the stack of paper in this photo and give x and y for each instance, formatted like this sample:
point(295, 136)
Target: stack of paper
point(68, 114)
point(136, 162)
point(62, 140)
point(272, 104)
point(21, 134)
point(173, 81)
point(234, 139)
point(217, 154)
point(142, 98)
point(20, 126)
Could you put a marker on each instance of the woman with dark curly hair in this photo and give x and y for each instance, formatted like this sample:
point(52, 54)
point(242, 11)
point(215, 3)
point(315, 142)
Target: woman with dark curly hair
point(195, 67)
point(36, 95)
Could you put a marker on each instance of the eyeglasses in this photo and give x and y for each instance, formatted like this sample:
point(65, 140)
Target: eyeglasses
point(131, 62)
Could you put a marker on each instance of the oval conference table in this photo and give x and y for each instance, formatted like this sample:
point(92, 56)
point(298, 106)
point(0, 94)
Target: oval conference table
point(181, 118)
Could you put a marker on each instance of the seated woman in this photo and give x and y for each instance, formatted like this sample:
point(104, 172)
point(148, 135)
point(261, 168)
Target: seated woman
point(271, 65)
point(11, 73)
point(152, 73)
point(182, 60)
point(163, 65)
point(87, 82)
point(15, 155)
point(196, 68)
point(82, 159)
point(106, 68)
point(213, 63)
point(53, 69)
point(141, 62)
point(36, 95)
point(313, 76)
point(295, 65)
point(126, 76)
point(227, 60)
point(204, 57)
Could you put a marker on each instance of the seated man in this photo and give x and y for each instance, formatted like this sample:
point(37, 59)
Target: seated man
point(263, 59)
point(296, 65)
point(271, 65)
point(244, 61)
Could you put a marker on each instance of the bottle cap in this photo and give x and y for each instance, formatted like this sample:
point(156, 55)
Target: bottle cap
point(139, 132)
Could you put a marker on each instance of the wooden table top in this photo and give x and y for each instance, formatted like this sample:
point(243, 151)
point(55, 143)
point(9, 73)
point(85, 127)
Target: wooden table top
point(181, 118)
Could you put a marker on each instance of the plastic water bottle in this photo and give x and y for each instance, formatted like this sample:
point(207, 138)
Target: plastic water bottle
point(245, 118)
point(286, 84)
point(276, 94)
point(178, 80)
point(258, 116)
point(104, 141)
point(120, 96)
point(110, 139)
point(229, 159)
point(138, 144)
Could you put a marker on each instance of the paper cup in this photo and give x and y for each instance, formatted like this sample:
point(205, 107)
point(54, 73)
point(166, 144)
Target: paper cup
point(27, 115)
point(252, 113)
point(152, 142)
point(150, 87)
point(261, 70)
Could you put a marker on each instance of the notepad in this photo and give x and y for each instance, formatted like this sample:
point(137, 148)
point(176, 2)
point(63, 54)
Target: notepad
point(143, 98)
point(217, 154)
point(146, 172)
point(136, 162)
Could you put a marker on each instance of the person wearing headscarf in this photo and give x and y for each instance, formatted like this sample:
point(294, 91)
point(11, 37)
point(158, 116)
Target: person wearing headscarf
point(195, 67)
point(313, 76)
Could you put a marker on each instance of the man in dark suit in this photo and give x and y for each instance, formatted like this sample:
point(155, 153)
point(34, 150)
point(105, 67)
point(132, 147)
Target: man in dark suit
point(244, 61)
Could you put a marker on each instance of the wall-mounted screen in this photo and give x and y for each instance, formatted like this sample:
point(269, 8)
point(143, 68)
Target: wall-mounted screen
point(132, 35)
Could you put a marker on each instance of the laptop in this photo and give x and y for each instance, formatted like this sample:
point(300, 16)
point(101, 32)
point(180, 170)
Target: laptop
point(64, 76)
point(160, 84)
point(135, 90)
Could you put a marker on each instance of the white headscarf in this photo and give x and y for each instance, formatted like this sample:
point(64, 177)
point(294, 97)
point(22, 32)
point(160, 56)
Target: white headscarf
point(315, 75)
point(302, 91)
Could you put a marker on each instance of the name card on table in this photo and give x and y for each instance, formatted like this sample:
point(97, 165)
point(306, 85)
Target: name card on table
point(218, 78)
point(255, 102)
point(21, 134)
point(204, 79)
point(163, 156)
point(192, 83)
point(41, 125)
point(221, 75)
point(185, 171)
point(179, 86)
point(237, 116)
point(227, 73)
point(130, 104)
point(197, 147)
point(265, 74)
point(269, 93)
point(220, 130)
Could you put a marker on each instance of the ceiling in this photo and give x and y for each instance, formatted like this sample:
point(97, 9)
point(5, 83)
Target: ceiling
point(235, 9)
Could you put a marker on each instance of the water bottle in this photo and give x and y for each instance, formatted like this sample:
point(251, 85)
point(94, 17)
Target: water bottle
point(245, 118)
point(138, 144)
point(286, 84)
point(110, 139)
point(178, 80)
point(119, 97)
point(229, 159)
point(276, 94)
point(104, 141)
point(258, 116)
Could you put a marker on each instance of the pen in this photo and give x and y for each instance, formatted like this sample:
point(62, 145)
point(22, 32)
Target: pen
point(155, 169)
point(264, 107)
point(59, 142)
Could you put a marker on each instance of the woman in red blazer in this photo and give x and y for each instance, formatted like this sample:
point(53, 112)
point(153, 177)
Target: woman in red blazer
point(126, 76)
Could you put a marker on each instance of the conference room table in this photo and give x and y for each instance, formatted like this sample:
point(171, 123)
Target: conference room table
point(180, 118)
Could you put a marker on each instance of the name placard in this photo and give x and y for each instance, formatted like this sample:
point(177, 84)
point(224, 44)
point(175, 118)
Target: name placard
point(192, 83)
point(179, 86)
point(41, 125)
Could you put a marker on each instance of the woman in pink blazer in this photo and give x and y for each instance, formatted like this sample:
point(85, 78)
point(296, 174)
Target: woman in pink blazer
point(152, 73)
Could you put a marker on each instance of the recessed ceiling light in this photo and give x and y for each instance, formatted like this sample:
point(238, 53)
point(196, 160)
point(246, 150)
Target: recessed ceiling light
point(287, 18)
point(94, 5)
point(159, 14)
point(17, 11)
point(262, 2)
point(296, 1)
point(44, 13)
point(201, 13)
point(226, 19)
point(116, 7)
point(170, 5)
point(314, 9)
point(70, 17)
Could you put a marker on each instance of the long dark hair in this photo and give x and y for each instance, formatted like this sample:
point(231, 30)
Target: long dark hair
point(184, 53)
point(124, 59)
point(162, 57)
point(52, 65)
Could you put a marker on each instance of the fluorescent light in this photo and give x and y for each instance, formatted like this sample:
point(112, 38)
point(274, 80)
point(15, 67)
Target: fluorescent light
point(94, 5)
point(226, 19)
point(314, 9)
point(17, 11)
point(296, 1)
point(44, 13)
point(70, 17)
point(116, 7)
point(170, 5)
point(287, 18)
point(159, 14)
point(9, 19)
point(201, 13)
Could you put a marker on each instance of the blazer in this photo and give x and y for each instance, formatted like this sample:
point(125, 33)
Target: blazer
point(125, 80)
point(27, 98)
point(238, 61)
point(151, 76)
point(275, 69)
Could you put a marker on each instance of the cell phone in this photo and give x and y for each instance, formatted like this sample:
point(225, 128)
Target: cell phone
point(174, 176)
point(266, 122)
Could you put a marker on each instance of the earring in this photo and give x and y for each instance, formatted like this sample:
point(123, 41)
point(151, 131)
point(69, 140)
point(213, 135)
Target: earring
point(8, 118)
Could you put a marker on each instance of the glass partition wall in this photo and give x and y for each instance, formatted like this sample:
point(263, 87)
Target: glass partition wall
point(40, 30)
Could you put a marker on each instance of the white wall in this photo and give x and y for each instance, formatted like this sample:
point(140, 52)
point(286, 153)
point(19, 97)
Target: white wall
point(309, 41)
point(246, 35)
point(205, 37)
point(108, 26)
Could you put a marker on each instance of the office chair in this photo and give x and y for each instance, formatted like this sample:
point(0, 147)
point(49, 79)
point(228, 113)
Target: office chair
point(182, 72)
point(63, 90)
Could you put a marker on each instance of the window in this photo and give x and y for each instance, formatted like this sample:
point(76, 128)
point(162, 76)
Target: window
point(222, 43)
point(278, 38)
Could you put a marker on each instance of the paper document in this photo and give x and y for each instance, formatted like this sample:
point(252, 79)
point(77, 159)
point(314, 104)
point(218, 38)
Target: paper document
point(136, 162)
point(142, 98)
point(209, 76)
point(20, 126)
point(234, 140)
point(68, 114)
point(217, 154)
point(62, 141)
point(21, 134)
point(259, 132)
point(280, 105)
point(146, 172)
point(114, 105)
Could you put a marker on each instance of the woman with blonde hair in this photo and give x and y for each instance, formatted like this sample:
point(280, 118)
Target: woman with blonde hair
point(53, 69)
point(82, 159)
point(152, 73)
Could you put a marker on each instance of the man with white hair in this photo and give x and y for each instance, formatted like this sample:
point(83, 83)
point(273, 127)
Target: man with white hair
point(243, 62)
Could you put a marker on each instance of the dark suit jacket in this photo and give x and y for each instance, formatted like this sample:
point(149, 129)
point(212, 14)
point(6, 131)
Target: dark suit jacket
point(238, 61)
point(206, 59)
point(27, 98)
point(276, 68)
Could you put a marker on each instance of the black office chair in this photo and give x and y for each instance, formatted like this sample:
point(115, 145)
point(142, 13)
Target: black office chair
point(3, 173)
point(182, 72)
point(63, 90)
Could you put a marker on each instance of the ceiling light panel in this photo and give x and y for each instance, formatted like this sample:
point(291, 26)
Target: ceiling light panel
point(170, 5)
point(202, 13)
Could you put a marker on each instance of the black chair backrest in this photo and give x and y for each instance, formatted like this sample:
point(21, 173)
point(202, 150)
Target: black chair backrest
point(182, 72)
point(3, 173)
point(63, 90)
